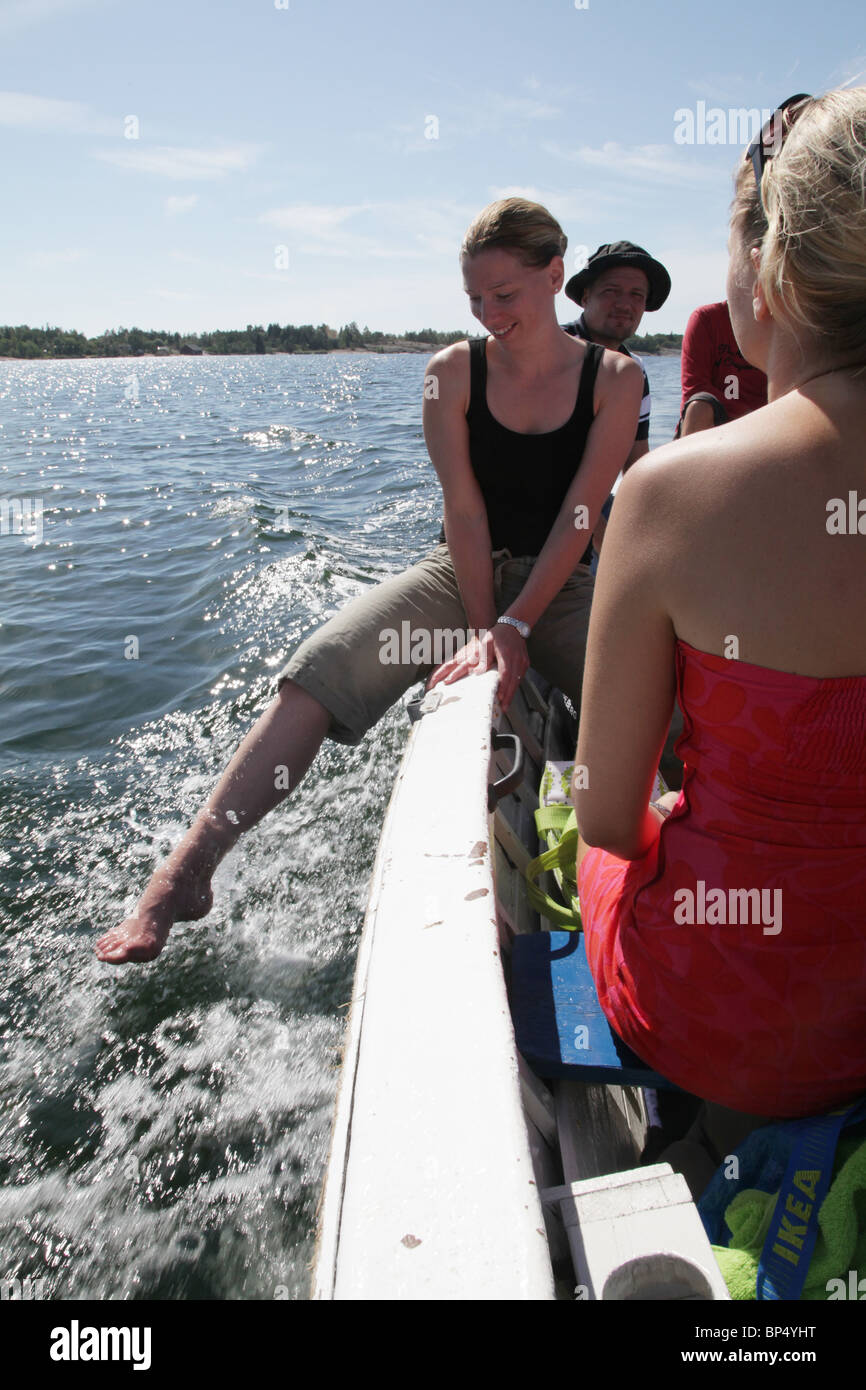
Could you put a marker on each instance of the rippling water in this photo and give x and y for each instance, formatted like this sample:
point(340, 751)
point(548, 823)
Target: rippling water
point(164, 1129)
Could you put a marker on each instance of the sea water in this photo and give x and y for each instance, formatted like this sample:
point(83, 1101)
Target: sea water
point(181, 525)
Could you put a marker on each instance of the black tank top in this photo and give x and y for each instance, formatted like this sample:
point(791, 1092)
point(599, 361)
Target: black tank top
point(524, 477)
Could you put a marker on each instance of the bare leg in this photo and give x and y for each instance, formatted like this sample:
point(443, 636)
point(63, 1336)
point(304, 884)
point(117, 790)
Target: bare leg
point(269, 763)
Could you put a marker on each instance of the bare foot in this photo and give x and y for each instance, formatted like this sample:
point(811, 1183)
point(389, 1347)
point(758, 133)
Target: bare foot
point(179, 891)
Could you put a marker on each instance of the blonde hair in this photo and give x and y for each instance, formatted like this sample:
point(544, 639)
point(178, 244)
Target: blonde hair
point(514, 224)
point(813, 251)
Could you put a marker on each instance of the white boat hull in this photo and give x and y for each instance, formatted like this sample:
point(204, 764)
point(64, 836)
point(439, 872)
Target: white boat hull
point(431, 1191)
point(455, 1173)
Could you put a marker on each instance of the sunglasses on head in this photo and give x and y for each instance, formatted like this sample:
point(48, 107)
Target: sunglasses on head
point(769, 140)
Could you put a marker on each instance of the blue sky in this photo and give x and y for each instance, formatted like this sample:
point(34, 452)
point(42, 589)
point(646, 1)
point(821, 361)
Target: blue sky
point(211, 163)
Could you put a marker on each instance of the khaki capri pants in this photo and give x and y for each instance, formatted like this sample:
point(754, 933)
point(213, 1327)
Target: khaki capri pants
point(364, 658)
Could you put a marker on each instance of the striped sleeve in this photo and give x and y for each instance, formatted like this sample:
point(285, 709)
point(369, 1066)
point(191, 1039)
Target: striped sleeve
point(643, 419)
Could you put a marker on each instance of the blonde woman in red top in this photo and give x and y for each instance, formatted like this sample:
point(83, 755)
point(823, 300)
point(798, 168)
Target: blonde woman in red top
point(728, 939)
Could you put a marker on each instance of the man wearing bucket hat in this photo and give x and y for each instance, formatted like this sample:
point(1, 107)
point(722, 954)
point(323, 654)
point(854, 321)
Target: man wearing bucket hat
point(618, 284)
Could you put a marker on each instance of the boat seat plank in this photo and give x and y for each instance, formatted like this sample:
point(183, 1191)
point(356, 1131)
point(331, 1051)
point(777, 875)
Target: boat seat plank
point(538, 1102)
point(559, 1024)
point(598, 1131)
point(510, 841)
point(533, 696)
point(511, 901)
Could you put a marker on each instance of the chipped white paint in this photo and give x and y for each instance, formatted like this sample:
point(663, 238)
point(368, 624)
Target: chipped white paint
point(430, 1191)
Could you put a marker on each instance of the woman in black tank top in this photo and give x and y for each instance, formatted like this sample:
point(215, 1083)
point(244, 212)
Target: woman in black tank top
point(503, 459)
point(528, 431)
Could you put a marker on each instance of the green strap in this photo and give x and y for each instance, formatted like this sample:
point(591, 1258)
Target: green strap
point(561, 860)
point(554, 818)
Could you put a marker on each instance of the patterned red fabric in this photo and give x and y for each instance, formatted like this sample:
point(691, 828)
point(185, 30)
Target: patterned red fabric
point(760, 1006)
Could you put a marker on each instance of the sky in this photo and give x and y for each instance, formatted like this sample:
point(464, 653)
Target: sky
point(190, 165)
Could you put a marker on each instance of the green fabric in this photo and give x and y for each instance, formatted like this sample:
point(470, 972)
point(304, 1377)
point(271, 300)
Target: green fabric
point(558, 824)
point(841, 1244)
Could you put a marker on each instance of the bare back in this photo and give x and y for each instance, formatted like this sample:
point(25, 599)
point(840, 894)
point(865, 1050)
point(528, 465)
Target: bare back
point(740, 522)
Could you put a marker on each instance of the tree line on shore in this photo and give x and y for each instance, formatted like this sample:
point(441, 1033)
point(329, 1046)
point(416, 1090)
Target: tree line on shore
point(23, 341)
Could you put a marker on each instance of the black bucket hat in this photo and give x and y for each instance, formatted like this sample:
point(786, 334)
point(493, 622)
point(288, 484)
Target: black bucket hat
point(623, 253)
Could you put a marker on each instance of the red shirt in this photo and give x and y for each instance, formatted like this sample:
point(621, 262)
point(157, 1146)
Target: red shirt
point(713, 362)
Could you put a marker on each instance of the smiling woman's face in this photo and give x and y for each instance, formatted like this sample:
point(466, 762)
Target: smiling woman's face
point(509, 298)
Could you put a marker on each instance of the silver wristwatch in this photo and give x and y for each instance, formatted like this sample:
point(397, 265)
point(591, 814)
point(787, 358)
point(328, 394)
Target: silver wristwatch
point(523, 628)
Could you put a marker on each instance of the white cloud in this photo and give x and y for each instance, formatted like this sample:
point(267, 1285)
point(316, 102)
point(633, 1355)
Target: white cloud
point(47, 260)
point(488, 113)
point(527, 109)
point(494, 112)
point(313, 219)
point(571, 209)
point(176, 205)
point(849, 74)
point(721, 87)
point(21, 14)
point(27, 111)
point(697, 277)
point(658, 163)
point(373, 231)
point(173, 162)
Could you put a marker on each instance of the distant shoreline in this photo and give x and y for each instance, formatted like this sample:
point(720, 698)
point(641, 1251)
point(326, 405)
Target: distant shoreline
point(290, 340)
point(375, 350)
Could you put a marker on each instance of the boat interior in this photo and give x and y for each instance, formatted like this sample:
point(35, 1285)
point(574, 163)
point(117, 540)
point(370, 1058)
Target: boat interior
point(615, 1229)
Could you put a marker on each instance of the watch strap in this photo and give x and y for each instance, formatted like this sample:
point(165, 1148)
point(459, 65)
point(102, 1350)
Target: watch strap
point(523, 628)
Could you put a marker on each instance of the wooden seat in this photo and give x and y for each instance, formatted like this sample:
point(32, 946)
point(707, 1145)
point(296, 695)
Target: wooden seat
point(558, 1022)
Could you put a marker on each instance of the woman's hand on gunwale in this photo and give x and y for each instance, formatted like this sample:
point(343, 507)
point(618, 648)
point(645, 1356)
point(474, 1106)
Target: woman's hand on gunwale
point(501, 646)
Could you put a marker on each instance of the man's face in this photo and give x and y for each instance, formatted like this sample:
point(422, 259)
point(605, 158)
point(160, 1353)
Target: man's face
point(613, 304)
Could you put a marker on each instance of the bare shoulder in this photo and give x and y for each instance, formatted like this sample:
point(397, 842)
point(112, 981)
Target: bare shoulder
point(662, 483)
point(697, 485)
point(619, 373)
point(448, 370)
point(620, 363)
point(454, 356)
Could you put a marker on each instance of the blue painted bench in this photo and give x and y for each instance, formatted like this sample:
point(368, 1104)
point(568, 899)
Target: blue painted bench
point(558, 1022)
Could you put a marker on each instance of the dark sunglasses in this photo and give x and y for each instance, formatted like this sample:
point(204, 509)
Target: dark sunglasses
point(769, 140)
